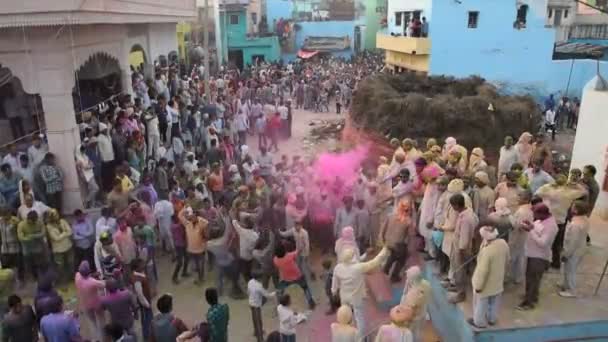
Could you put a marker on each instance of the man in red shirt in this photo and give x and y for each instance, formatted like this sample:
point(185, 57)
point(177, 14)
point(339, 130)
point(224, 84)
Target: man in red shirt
point(274, 126)
point(290, 274)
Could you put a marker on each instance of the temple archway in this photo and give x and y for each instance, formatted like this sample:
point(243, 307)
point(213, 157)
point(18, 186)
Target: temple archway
point(97, 80)
point(21, 114)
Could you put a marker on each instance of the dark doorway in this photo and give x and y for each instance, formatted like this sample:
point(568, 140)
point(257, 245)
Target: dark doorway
point(235, 58)
point(98, 79)
point(257, 59)
point(20, 111)
point(357, 38)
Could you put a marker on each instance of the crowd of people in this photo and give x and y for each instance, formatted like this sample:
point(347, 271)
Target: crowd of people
point(173, 169)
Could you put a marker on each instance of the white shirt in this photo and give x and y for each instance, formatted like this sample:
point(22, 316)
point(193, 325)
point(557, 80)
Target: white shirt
point(507, 158)
point(38, 207)
point(288, 320)
point(257, 292)
point(163, 210)
point(36, 155)
point(247, 240)
point(173, 115)
point(284, 112)
point(349, 278)
point(152, 126)
point(242, 122)
point(301, 238)
point(103, 224)
point(550, 117)
point(104, 144)
point(27, 173)
point(11, 160)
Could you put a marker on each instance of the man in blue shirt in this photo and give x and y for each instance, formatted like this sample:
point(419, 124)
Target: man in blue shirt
point(59, 326)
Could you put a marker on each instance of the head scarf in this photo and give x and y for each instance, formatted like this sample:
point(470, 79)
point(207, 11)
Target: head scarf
point(456, 186)
point(476, 157)
point(483, 177)
point(541, 211)
point(413, 276)
point(450, 142)
point(344, 315)
point(488, 233)
point(53, 215)
point(84, 269)
point(400, 154)
point(502, 206)
point(420, 161)
point(348, 234)
point(347, 255)
point(401, 315)
point(525, 138)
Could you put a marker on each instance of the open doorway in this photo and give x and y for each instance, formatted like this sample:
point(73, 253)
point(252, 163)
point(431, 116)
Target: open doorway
point(98, 79)
point(235, 58)
point(257, 59)
point(20, 113)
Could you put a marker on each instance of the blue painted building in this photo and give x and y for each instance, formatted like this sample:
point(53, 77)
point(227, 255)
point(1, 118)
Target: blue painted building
point(351, 28)
point(506, 42)
point(239, 47)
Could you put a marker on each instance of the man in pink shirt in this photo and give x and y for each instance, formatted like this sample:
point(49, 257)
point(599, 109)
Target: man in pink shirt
point(290, 274)
point(125, 242)
point(89, 301)
point(541, 234)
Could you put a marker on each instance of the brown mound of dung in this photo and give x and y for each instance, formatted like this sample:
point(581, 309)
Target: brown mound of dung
point(421, 107)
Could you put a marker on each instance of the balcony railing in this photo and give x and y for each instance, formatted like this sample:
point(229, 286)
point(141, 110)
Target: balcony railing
point(409, 45)
point(592, 31)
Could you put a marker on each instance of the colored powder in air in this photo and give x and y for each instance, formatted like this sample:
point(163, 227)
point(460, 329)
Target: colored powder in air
point(344, 166)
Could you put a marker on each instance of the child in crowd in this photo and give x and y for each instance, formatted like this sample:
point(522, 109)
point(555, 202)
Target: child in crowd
point(257, 298)
point(288, 319)
point(328, 274)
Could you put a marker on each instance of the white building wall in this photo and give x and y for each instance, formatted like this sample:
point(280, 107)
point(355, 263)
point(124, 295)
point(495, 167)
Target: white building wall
point(45, 60)
point(407, 6)
point(591, 141)
point(162, 40)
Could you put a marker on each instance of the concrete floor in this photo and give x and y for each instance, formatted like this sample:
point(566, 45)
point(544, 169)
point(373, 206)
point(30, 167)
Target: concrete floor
point(552, 308)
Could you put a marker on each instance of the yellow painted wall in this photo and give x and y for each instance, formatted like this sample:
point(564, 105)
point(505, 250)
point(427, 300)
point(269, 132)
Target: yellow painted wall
point(182, 30)
point(422, 46)
point(408, 61)
point(136, 58)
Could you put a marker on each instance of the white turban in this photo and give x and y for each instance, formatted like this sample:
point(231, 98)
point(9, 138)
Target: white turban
point(501, 206)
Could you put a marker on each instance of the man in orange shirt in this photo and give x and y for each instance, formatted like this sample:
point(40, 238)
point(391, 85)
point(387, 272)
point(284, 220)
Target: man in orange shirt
point(289, 273)
point(216, 182)
point(196, 241)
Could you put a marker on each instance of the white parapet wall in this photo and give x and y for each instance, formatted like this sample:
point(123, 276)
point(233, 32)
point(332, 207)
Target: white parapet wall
point(591, 142)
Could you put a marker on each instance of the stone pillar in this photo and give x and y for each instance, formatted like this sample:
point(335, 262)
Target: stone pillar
point(56, 76)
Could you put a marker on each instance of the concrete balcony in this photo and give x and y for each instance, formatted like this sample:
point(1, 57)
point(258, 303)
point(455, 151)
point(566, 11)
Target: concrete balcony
point(408, 45)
